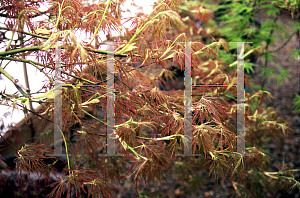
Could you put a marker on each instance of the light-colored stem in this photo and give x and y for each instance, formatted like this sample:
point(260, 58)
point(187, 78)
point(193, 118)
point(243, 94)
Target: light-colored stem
point(103, 16)
point(139, 30)
point(24, 66)
point(28, 33)
point(13, 80)
point(36, 63)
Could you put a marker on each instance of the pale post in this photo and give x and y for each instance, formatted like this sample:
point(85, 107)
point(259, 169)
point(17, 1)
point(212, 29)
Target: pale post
point(240, 122)
point(110, 100)
point(57, 103)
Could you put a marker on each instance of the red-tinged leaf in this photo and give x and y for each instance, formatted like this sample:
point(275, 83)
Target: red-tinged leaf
point(74, 53)
point(73, 38)
point(83, 53)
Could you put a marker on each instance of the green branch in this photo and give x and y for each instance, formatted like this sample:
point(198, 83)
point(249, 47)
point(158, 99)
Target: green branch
point(140, 29)
point(29, 16)
point(103, 16)
point(105, 52)
point(36, 63)
point(36, 48)
point(17, 84)
point(22, 60)
point(16, 51)
point(27, 33)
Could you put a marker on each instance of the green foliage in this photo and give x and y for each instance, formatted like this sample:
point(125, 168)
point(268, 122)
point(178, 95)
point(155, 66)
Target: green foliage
point(238, 23)
point(297, 104)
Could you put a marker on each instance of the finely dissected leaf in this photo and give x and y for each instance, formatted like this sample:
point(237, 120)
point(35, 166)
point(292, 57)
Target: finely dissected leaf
point(127, 48)
point(80, 180)
point(83, 53)
point(72, 57)
point(24, 101)
point(151, 168)
point(77, 95)
point(43, 31)
point(94, 101)
point(48, 95)
point(296, 105)
point(31, 158)
point(170, 56)
point(167, 51)
point(73, 38)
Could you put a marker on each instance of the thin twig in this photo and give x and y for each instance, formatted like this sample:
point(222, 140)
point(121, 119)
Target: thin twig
point(24, 67)
point(8, 143)
point(29, 16)
point(286, 42)
point(103, 16)
point(267, 47)
point(17, 84)
point(27, 33)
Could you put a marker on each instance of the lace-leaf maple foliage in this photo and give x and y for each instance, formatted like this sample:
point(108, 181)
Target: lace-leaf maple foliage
point(149, 123)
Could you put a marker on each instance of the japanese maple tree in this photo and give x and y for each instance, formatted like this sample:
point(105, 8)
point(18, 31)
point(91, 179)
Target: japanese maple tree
point(149, 122)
